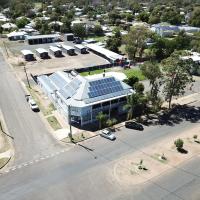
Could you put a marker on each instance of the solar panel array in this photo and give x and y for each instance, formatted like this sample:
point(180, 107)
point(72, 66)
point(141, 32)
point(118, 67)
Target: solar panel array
point(58, 80)
point(66, 89)
point(103, 87)
point(70, 89)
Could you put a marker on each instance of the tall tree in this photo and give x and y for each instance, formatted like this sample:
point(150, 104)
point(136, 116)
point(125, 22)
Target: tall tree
point(152, 71)
point(135, 105)
point(195, 19)
point(176, 76)
point(135, 41)
point(79, 30)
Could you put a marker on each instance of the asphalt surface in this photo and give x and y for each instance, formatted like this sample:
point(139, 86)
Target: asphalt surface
point(44, 170)
point(80, 173)
point(31, 139)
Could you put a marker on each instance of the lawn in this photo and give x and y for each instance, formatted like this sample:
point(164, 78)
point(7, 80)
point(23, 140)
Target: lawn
point(134, 72)
point(54, 123)
point(3, 162)
point(98, 38)
point(127, 72)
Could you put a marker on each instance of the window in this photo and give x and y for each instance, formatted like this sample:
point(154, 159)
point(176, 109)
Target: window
point(114, 101)
point(96, 106)
point(122, 99)
point(107, 103)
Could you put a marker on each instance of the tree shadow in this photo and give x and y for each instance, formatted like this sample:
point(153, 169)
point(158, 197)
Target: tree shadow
point(181, 150)
point(176, 115)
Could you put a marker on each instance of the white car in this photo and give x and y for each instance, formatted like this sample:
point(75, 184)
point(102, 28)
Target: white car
point(108, 134)
point(33, 105)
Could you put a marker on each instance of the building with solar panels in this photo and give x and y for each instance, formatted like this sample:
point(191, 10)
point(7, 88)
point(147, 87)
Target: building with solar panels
point(80, 99)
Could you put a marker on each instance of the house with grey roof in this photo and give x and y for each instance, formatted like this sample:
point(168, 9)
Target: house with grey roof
point(80, 99)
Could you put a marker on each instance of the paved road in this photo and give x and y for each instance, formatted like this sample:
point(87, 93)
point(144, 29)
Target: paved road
point(31, 139)
point(81, 174)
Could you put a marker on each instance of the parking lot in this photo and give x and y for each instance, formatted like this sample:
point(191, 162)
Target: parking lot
point(42, 66)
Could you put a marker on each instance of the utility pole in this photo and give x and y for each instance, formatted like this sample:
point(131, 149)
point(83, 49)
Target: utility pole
point(27, 77)
point(69, 121)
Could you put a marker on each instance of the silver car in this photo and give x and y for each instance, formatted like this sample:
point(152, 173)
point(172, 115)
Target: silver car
point(106, 133)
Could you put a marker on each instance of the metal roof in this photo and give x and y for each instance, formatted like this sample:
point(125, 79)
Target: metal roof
point(26, 52)
point(67, 47)
point(79, 91)
point(54, 49)
point(79, 46)
point(109, 54)
point(41, 50)
point(31, 37)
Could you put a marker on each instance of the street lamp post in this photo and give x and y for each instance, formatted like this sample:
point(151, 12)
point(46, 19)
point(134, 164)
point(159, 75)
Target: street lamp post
point(69, 120)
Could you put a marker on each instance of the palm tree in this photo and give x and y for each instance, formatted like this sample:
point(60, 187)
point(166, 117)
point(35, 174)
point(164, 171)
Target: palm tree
point(130, 106)
point(111, 122)
point(101, 118)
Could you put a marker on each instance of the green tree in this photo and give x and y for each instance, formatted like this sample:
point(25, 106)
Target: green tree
point(135, 6)
point(20, 7)
point(143, 16)
point(152, 71)
point(66, 28)
point(135, 41)
point(172, 16)
point(176, 76)
point(101, 117)
point(179, 144)
point(114, 42)
point(114, 16)
point(182, 41)
point(79, 30)
point(131, 80)
point(98, 30)
point(135, 105)
point(139, 88)
point(195, 19)
point(21, 23)
point(45, 29)
point(111, 122)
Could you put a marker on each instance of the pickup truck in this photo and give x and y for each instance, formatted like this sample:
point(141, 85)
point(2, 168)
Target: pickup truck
point(32, 103)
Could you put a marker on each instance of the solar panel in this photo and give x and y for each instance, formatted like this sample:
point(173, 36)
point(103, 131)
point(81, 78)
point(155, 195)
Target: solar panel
point(104, 87)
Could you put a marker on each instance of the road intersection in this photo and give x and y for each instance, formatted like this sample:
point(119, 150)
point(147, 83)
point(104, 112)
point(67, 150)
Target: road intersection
point(44, 169)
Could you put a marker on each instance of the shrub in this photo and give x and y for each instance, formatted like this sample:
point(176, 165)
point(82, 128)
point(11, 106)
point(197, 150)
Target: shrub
point(179, 143)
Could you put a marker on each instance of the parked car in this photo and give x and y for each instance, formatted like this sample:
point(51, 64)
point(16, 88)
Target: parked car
point(108, 134)
point(134, 125)
point(32, 103)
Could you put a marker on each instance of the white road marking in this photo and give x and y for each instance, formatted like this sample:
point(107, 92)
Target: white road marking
point(44, 157)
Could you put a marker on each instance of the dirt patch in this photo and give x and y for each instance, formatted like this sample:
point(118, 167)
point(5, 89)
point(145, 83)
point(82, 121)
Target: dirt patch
point(127, 171)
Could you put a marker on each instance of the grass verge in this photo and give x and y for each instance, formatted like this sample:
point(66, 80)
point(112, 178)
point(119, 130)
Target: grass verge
point(78, 137)
point(3, 162)
point(45, 111)
point(54, 123)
